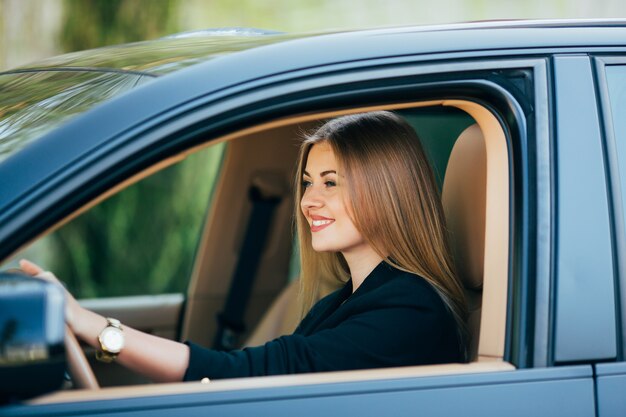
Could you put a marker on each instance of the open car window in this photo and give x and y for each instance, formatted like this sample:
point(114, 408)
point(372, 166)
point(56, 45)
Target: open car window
point(140, 241)
point(161, 235)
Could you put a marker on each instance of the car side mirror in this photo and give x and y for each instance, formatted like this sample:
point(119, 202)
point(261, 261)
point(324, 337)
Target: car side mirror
point(32, 329)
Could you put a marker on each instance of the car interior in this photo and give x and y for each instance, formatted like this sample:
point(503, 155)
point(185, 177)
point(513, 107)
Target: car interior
point(468, 150)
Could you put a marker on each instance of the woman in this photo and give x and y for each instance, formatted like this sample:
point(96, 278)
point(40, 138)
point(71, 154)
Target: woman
point(369, 216)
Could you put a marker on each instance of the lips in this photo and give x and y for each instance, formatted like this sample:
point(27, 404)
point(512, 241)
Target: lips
point(319, 223)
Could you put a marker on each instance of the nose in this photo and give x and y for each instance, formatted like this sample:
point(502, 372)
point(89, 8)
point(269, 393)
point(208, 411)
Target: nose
point(311, 198)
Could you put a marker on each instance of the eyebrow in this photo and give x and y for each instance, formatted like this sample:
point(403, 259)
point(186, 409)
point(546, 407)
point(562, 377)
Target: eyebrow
point(322, 174)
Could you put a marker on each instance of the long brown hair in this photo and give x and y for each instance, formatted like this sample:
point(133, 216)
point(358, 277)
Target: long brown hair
point(395, 205)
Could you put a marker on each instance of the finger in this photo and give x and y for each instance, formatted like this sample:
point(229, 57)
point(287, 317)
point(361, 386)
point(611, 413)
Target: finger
point(47, 275)
point(30, 268)
point(37, 272)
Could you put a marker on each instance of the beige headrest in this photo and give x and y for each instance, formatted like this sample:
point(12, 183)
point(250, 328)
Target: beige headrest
point(464, 200)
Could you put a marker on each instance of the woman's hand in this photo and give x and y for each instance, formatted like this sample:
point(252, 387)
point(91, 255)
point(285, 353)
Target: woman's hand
point(72, 309)
point(159, 359)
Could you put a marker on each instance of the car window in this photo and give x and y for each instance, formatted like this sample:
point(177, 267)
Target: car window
point(140, 241)
point(616, 78)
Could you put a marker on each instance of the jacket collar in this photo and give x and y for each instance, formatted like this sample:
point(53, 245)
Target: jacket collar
point(379, 275)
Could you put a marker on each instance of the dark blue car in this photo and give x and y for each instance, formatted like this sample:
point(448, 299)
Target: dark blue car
point(523, 122)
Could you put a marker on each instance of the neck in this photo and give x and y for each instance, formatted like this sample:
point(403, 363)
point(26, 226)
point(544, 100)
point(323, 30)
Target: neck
point(361, 264)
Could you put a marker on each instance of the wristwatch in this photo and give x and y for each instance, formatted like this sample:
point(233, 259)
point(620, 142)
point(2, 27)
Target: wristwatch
point(111, 340)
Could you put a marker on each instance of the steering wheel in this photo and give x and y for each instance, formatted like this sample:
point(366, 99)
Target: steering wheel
point(79, 367)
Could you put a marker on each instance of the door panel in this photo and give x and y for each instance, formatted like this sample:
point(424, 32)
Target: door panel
point(154, 314)
point(563, 391)
point(611, 380)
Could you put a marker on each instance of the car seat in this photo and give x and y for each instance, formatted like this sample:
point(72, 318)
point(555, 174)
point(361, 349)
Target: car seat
point(464, 201)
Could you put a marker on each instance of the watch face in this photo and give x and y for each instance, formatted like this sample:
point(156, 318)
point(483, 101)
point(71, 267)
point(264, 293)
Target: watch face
point(112, 339)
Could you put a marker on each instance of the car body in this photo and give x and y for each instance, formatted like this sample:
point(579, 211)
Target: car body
point(547, 98)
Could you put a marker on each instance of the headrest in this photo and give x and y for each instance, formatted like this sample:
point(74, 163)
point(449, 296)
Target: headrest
point(464, 202)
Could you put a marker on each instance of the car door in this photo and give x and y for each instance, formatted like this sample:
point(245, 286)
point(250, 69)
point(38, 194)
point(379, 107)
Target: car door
point(515, 93)
point(610, 74)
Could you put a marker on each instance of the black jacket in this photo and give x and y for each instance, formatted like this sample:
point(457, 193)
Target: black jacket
point(393, 319)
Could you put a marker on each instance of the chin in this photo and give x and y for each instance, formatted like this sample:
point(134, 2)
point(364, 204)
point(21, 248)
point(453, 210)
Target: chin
point(324, 247)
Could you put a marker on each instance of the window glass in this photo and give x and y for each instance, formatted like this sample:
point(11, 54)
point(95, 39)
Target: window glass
point(140, 241)
point(33, 103)
point(616, 77)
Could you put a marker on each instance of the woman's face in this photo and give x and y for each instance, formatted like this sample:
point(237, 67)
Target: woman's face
point(323, 204)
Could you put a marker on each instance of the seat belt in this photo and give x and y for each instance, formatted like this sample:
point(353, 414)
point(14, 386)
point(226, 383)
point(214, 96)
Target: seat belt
point(265, 193)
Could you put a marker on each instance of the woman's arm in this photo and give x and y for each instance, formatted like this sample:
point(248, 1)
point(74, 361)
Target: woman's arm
point(159, 359)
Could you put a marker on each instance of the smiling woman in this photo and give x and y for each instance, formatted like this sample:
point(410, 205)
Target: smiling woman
point(387, 209)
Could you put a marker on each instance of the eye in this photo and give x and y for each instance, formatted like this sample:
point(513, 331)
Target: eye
point(306, 183)
point(330, 183)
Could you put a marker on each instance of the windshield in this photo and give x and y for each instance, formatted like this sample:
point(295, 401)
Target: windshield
point(39, 97)
point(33, 103)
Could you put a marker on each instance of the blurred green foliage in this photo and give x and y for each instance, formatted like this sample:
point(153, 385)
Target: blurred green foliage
point(93, 23)
point(142, 240)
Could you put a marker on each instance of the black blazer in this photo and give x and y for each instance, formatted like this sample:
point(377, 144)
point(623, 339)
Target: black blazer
point(393, 319)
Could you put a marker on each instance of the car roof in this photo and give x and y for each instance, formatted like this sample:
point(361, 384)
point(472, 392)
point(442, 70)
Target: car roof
point(263, 65)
